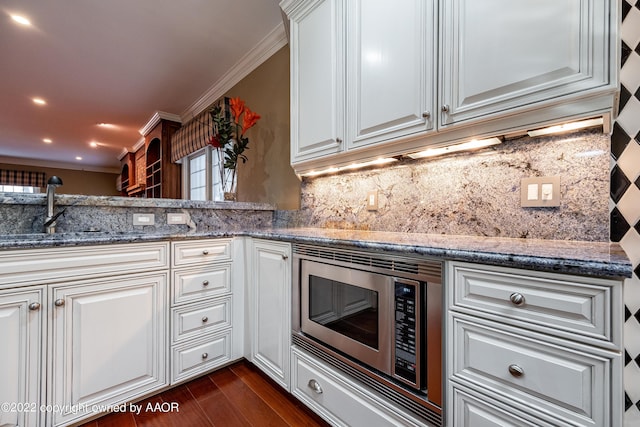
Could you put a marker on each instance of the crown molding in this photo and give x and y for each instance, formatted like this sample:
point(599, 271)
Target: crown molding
point(155, 119)
point(138, 145)
point(266, 48)
point(56, 165)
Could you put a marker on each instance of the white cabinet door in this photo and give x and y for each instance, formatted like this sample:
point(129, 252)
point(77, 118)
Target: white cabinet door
point(108, 342)
point(498, 55)
point(21, 335)
point(317, 79)
point(391, 60)
point(270, 290)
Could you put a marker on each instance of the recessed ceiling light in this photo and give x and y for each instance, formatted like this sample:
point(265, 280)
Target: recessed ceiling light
point(39, 101)
point(93, 144)
point(106, 125)
point(21, 20)
point(47, 140)
point(78, 158)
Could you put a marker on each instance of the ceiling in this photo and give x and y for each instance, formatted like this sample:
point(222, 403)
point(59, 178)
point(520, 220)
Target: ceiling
point(118, 62)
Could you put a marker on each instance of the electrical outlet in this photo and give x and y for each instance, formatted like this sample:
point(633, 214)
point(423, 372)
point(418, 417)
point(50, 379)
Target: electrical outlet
point(176, 218)
point(144, 219)
point(372, 200)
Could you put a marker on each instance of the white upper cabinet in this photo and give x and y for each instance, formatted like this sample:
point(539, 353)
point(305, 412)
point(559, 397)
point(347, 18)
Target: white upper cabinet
point(317, 79)
point(373, 78)
point(390, 69)
point(500, 55)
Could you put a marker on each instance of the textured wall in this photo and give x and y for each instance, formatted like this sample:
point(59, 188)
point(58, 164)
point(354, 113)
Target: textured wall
point(473, 194)
point(625, 199)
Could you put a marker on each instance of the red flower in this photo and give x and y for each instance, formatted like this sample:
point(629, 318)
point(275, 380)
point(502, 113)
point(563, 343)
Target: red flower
point(237, 108)
point(215, 141)
point(250, 119)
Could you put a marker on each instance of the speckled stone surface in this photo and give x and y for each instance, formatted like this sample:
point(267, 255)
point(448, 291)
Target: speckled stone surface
point(21, 214)
point(471, 193)
point(584, 258)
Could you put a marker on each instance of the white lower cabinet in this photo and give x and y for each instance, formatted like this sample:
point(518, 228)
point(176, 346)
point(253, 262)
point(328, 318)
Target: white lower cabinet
point(107, 343)
point(529, 348)
point(270, 307)
point(202, 307)
point(339, 399)
point(22, 315)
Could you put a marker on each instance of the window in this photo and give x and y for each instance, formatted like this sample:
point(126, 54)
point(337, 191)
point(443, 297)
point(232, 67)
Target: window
point(201, 176)
point(18, 189)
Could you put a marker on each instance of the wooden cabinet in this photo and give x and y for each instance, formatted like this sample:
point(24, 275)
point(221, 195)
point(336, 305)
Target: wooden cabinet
point(202, 308)
point(376, 79)
point(162, 178)
point(270, 307)
point(546, 345)
point(22, 320)
point(108, 342)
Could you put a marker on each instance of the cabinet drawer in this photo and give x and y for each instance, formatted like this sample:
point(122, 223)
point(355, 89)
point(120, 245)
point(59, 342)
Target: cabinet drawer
point(473, 410)
point(195, 320)
point(566, 381)
point(57, 264)
point(200, 251)
point(338, 399)
point(582, 306)
point(199, 283)
point(195, 357)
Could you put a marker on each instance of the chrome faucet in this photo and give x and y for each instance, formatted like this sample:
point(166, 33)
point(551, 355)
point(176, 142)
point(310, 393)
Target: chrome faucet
point(50, 220)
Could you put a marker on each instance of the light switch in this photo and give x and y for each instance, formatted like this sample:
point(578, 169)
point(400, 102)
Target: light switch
point(143, 219)
point(532, 192)
point(547, 191)
point(372, 200)
point(176, 218)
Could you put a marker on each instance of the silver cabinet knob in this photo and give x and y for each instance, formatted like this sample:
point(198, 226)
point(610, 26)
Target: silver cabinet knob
point(445, 108)
point(205, 319)
point(339, 140)
point(426, 114)
point(285, 257)
point(205, 283)
point(315, 386)
point(205, 355)
point(58, 302)
point(205, 252)
point(34, 306)
point(517, 298)
point(516, 371)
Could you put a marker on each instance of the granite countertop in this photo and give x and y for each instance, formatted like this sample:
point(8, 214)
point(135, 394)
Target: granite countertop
point(575, 257)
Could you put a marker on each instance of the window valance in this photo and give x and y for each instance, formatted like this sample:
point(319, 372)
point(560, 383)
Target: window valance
point(193, 135)
point(23, 178)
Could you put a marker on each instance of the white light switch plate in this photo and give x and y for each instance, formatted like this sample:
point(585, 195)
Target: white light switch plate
point(540, 192)
point(176, 218)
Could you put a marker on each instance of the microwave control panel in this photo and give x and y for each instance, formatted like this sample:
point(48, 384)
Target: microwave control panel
point(407, 332)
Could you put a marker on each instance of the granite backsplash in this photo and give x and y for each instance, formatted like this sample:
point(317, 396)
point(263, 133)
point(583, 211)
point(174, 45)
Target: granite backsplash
point(473, 193)
point(25, 213)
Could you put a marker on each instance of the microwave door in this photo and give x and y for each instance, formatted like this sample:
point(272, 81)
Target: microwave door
point(348, 310)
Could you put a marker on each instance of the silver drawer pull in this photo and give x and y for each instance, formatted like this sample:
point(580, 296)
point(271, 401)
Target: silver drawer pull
point(426, 114)
point(58, 302)
point(516, 371)
point(34, 306)
point(315, 386)
point(445, 108)
point(205, 355)
point(205, 319)
point(205, 252)
point(517, 298)
point(285, 257)
point(205, 283)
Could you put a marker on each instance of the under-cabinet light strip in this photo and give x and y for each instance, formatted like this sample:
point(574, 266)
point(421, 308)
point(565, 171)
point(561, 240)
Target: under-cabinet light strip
point(470, 145)
point(567, 127)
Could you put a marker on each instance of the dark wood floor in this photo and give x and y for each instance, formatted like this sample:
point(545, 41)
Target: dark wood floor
point(238, 395)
